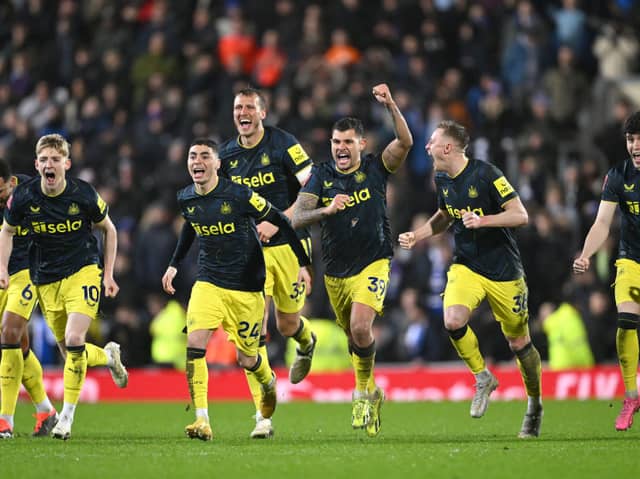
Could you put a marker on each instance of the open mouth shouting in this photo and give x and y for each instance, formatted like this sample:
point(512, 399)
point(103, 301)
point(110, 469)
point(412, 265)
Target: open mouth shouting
point(49, 177)
point(343, 159)
point(244, 125)
point(198, 173)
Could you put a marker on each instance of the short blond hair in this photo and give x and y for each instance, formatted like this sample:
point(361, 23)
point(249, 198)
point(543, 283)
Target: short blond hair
point(55, 141)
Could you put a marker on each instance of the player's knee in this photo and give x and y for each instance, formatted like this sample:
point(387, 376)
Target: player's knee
point(361, 333)
point(454, 319)
point(73, 338)
point(453, 323)
point(250, 363)
point(520, 345)
point(11, 334)
point(287, 323)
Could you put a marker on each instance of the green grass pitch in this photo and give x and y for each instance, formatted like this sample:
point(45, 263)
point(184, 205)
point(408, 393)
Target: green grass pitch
point(418, 440)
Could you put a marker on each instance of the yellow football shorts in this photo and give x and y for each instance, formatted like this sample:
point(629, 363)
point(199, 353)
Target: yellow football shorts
point(368, 287)
point(281, 282)
point(627, 284)
point(239, 312)
point(20, 297)
point(507, 299)
point(78, 293)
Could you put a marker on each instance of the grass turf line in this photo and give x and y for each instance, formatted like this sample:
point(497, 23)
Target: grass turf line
point(439, 440)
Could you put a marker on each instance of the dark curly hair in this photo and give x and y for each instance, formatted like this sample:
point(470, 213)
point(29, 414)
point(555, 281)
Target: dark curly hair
point(632, 124)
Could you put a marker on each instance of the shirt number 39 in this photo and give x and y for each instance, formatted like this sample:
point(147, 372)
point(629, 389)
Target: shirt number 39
point(378, 286)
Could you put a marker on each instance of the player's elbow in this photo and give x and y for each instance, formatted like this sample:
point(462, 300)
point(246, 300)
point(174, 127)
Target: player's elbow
point(408, 142)
point(523, 218)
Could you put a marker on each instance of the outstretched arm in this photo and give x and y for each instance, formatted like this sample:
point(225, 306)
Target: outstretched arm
point(396, 151)
point(596, 237)
point(438, 223)
point(111, 288)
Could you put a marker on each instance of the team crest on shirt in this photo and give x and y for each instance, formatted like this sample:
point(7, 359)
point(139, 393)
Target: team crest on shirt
point(34, 209)
point(264, 160)
point(359, 177)
point(225, 209)
point(328, 184)
point(445, 192)
point(233, 164)
point(191, 210)
point(629, 188)
point(74, 209)
point(473, 193)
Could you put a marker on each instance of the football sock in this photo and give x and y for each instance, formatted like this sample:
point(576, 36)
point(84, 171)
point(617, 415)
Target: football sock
point(465, 342)
point(252, 381)
point(75, 371)
point(627, 348)
point(11, 367)
point(262, 371)
point(68, 410)
point(363, 360)
point(203, 413)
point(33, 381)
point(528, 359)
point(197, 377)
point(303, 334)
point(96, 356)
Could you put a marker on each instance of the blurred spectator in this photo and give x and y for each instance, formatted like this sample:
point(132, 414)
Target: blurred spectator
point(270, 61)
point(168, 343)
point(566, 87)
point(131, 331)
point(237, 47)
point(341, 53)
point(421, 337)
point(567, 337)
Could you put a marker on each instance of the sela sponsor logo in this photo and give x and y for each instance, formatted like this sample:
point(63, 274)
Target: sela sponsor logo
point(355, 198)
point(21, 231)
point(68, 226)
point(261, 179)
point(634, 207)
point(219, 228)
point(457, 213)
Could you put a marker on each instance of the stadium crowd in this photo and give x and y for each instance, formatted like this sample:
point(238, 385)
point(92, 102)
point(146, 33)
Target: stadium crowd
point(543, 88)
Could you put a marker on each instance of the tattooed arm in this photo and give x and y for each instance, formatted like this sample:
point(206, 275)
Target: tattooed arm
point(306, 213)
